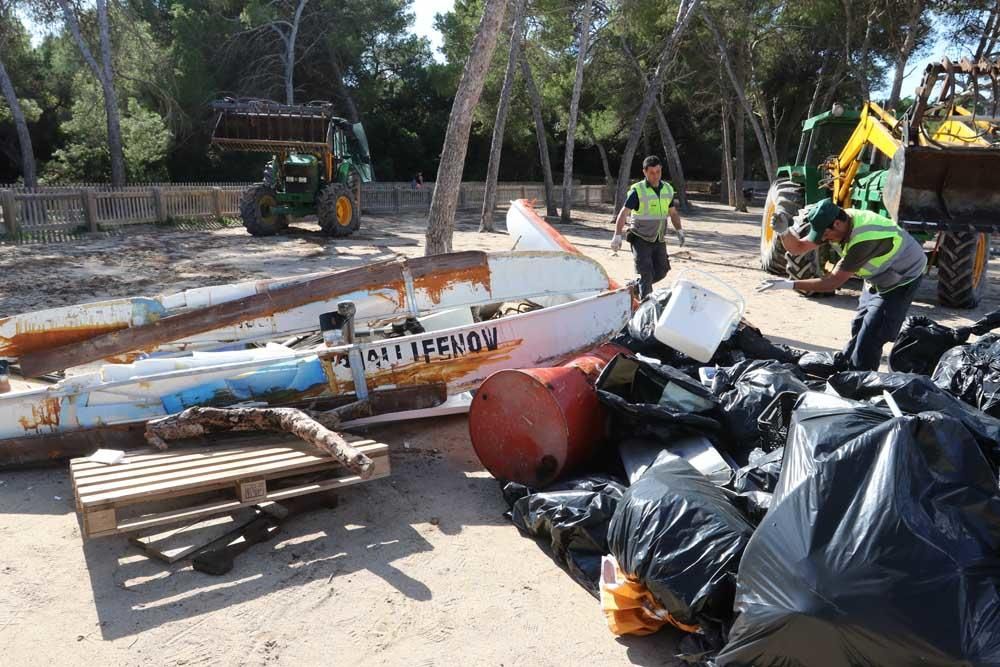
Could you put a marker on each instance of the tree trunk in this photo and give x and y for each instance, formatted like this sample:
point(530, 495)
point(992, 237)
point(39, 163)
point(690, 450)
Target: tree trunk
point(989, 37)
point(670, 153)
point(21, 125)
point(104, 76)
point(444, 201)
point(765, 149)
point(574, 110)
point(543, 144)
point(800, 153)
point(496, 145)
point(342, 90)
point(290, 54)
point(605, 165)
point(673, 159)
point(726, 191)
point(684, 13)
point(199, 421)
point(903, 55)
point(740, 202)
point(110, 98)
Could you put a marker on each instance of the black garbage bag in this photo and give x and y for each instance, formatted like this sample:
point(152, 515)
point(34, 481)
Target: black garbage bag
point(679, 535)
point(572, 519)
point(649, 400)
point(972, 373)
point(880, 547)
point(822, 365)
point(754, 483)
point(921, 342)
point(917, 393)
point(745, 391)
point(754, 345)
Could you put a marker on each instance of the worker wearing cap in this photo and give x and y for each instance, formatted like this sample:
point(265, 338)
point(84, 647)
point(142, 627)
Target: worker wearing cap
point(648, 205)
point(871, 247)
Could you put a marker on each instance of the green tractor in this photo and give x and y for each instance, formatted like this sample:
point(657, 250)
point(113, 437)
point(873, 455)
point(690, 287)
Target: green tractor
point(935, 171)
point(318, 163)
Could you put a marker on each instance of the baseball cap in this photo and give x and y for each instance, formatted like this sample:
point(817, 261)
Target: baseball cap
point(820, 218)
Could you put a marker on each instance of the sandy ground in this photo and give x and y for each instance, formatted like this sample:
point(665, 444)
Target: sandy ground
point(418, 569)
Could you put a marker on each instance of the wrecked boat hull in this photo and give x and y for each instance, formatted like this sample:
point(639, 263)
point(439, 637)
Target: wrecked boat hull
point(207, 318)
point(460, 357)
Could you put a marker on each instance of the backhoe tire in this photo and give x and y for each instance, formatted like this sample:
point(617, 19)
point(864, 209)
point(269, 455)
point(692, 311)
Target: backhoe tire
point(337, 210)
point(784, 199)
point(962, 261)
point(255, 210)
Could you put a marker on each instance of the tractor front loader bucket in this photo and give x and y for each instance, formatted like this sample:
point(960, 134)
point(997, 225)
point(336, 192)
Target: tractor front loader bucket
point(267, 127)
point(944, 188)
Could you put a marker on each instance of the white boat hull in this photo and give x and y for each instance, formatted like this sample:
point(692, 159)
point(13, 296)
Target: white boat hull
point(460, 357)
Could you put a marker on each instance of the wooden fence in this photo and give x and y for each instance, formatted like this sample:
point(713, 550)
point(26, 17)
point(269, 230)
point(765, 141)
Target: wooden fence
point(95, 207)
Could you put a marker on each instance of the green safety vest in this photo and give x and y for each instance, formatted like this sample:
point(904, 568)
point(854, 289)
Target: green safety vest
point(904, 263)
point(649, 221)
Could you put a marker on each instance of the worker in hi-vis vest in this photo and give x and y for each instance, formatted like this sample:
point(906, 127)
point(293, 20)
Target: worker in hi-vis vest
point(872, 247)
point(648, 205)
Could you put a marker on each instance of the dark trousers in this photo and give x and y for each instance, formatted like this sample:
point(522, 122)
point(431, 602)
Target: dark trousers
point(877, 321)
point(651, 262)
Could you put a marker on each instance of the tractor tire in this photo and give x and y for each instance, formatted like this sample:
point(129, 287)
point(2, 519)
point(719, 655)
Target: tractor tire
point(255, 210)
point(809, 265)
point(784, 199)
point(337, 210)
point(962, 261)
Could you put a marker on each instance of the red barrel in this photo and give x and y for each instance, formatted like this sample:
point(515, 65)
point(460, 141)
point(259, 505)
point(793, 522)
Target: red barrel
point(533, 425)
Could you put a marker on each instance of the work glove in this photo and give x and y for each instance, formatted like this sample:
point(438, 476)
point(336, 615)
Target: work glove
point(616, 243)
point(680, 237)
point(779, 223)
point(775, 283)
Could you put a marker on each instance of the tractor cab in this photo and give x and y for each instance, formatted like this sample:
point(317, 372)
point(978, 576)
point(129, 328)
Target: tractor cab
point(826, 135)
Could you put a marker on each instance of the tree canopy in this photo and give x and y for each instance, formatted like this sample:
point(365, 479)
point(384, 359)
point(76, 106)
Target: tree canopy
point(772, 63)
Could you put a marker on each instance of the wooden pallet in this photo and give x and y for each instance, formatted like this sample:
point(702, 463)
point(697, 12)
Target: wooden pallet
point(248, 471)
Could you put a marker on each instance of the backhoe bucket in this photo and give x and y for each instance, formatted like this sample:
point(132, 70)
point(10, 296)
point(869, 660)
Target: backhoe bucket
point(954, 188)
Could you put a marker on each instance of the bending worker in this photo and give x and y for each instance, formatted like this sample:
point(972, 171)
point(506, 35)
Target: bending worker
point(651, 202)
point(872, 247)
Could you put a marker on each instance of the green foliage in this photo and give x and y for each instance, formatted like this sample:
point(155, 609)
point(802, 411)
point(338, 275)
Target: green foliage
point(172, 57)
point(84, 155)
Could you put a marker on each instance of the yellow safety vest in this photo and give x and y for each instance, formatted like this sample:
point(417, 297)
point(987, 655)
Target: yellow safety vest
point(649, 221)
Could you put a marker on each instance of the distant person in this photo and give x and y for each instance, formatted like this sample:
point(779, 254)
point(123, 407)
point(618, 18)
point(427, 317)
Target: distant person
point(648, 205)
point(872, 247)
point(418, 181)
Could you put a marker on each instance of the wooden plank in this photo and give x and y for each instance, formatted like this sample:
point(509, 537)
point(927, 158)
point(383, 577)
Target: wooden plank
point(251, 490)
point(9, 206)
point(173, 544)
point(126, 474)
point(272, 300)
point(121, 480)
point(116, 496)
point(148, 521)
point(143, 460)
point(100, 521)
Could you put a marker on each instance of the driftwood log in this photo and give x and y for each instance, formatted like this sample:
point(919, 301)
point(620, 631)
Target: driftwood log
point(313, 428)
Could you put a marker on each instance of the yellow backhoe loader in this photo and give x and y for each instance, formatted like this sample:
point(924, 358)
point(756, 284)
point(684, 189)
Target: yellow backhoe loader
point(935, 171)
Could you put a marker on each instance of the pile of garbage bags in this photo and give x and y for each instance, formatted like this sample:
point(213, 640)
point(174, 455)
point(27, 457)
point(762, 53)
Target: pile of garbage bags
point(779, 509)
point(880, 546)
